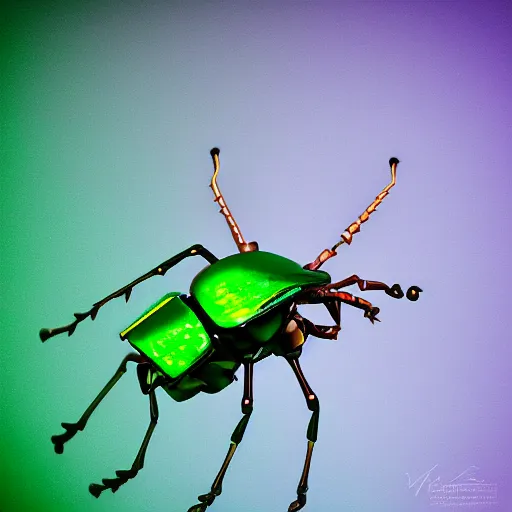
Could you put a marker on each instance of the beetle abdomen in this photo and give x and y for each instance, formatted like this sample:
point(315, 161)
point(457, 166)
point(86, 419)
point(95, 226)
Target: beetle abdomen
point(242, 287)
point(171, 335)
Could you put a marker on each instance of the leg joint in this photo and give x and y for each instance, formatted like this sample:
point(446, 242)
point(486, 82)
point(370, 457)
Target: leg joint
point(313, 403)
point(247, 406)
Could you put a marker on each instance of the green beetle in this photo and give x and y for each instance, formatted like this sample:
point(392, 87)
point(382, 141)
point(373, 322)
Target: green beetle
point(240, 310)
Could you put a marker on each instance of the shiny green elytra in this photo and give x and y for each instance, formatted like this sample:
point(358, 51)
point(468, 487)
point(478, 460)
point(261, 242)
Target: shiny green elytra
point(241, 287)
point(170, 334)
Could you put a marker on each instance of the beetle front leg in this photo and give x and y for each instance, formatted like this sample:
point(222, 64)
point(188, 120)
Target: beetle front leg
point(324, 295)
point(314, 406)
point(236, 438)
point(394, 291)
point(326, 332)
point(364, 285)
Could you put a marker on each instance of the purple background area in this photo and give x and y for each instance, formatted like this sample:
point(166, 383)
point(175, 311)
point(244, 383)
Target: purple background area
point(110, 113)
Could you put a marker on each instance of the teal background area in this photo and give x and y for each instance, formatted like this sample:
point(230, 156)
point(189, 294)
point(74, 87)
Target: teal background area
point(108, 114)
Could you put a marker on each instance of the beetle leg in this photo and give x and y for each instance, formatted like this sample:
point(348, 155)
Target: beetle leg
point(124, 475)
point(73, 428)
point(236, 438)
point(314, 406)
point(324, 294)
point(326, 332)
point(394, 291)
point(160, 270)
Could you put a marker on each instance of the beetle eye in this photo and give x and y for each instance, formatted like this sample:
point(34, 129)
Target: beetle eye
point(413, 293)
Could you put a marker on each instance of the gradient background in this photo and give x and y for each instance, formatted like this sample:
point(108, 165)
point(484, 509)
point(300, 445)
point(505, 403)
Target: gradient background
point(108, 116)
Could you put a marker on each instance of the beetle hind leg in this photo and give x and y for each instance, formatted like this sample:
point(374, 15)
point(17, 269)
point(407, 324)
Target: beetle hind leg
point(124, 475)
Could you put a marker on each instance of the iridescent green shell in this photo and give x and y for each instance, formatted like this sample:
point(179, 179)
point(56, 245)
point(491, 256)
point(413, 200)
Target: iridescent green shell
point(170, 334)
point(240, 288)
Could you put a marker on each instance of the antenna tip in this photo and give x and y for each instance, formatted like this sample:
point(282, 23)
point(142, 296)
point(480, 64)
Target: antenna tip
point(214, 151)
point(393, 160)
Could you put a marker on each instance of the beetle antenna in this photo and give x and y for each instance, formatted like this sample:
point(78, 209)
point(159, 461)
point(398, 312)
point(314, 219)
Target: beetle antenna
point(347, 235)
point(242, 245)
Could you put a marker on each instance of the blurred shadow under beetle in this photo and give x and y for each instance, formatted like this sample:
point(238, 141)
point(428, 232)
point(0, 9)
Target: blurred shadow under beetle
point(241, 309)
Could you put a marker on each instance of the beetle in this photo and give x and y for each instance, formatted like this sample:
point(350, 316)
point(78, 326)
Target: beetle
point(240, 310)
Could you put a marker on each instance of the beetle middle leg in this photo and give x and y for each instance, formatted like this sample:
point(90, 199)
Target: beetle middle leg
point(73, 428)
point(236, 438)
point(314, 406)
